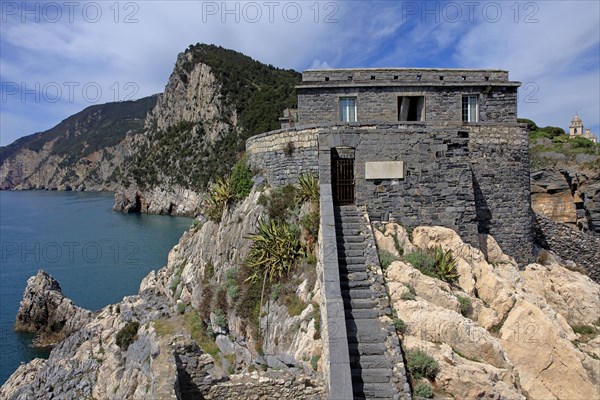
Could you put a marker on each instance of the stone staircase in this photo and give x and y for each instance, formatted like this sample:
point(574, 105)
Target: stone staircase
point(370, 367)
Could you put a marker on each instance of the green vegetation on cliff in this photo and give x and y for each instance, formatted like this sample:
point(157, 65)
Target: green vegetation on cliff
point(550, 146)
point(92, 129)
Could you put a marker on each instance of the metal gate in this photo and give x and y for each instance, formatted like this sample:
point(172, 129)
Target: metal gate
point(342, 177)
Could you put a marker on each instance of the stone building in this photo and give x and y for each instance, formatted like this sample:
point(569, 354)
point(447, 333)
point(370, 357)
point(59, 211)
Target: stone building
point(414, 146)
point(576, 129)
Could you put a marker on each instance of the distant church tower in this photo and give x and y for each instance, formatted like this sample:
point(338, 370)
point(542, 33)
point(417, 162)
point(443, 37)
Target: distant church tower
point(576, 129)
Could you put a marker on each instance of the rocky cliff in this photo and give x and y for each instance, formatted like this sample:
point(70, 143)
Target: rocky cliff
point(499, 332)
point(214, 100)
point(194, 330)
point(568, 196)
point(83, 152)
point(46, 312)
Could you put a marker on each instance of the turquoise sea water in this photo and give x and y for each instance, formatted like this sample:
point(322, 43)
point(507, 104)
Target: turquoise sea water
point(97, 255)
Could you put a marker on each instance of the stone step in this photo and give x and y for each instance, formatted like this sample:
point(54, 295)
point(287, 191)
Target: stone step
point(353, 261)
point(370, 362)
point(349, 225)
point(348, 231)
point(358, 293)
point(372, 375)
point(366, 337)
point(362, 314)
point(346, 284)
point(361, 325)
point(366, 349)
point(375, 390)
point(344, 247)
point(350, 239)
point(346, 269)
point(354, 276)
point(350, 253)
point(358, 303)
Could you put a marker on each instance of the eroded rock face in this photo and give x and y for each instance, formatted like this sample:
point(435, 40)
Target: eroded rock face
point(46, 312)
point(566, 196)
point(166, 358)
point(515, 340)
point(173, 201)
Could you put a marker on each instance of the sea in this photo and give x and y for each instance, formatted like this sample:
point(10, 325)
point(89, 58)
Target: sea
point(97, 255)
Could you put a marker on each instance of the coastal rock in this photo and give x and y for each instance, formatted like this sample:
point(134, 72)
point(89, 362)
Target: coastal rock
point(46, 312)
point(172, 201)
point(515, 339)
point(172, 355)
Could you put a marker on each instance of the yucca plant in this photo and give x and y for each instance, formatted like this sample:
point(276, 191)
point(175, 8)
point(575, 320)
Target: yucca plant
point(275, 250)
point(445, 265)
point(308, 187)
point(219, 195)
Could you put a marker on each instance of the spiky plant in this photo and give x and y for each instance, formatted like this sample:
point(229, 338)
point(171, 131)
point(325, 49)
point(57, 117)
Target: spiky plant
point(445, 265)
point(308, 187)
point(219, 195)
point(274, 250)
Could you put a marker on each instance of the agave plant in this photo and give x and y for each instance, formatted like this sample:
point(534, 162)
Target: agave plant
point(275, 250)
point(445, 265)
point(308, 187)
point(219, 195)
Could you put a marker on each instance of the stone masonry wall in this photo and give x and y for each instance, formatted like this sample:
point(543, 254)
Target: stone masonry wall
point(266, 386)
point(405, 75)
point(570, 244)
point(437, 187)
point(379, 104)
point(473, 179)
point(284, 155)
point(500, 165)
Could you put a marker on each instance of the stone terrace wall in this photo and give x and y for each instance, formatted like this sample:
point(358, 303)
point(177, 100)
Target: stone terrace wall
point(266, 386)
point(500, 164)
point(284, 155)
point(436, 189)
point(570, 244)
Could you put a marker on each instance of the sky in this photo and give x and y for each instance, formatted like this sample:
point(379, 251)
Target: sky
point(58, 57)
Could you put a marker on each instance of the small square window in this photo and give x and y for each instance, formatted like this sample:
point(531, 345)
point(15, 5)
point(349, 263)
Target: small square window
point(347, 109)
point(411, 108)
point(470, 109)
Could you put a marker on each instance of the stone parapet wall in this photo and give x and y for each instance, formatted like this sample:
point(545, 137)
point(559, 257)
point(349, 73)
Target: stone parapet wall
point(500, 166)
point(336, 357)
point(405, 75)
point(284, 155)
point(569, 244)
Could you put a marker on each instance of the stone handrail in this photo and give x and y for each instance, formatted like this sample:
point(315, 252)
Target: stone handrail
point(336, 358)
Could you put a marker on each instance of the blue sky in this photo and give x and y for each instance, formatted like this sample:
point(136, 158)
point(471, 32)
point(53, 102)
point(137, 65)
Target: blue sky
point(57, 58)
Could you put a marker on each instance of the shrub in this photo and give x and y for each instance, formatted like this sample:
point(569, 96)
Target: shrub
point(241, 179)
point(386, 258)
point(421, 364)
point(399, 325)
point(181, 308)
point(175, 281)
point(196, 225)
point(294, 304)
point(311, 222)
point(127, 334)
point(274, 250)
point(276, 291)
point(584, 329)
point(423, 389)
point(411, 295)
point(220, 319)
point(423, 261)
point(465, 305)
point(219, 195)
point(233, 289)
point(314, 362)
point(279, 202)
point(445, 265)
point(308, 187)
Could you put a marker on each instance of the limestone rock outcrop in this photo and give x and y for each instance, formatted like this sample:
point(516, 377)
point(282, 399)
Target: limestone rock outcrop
point(46, 312)
point(173, 354)
point(519, 334)
point(568, 196)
